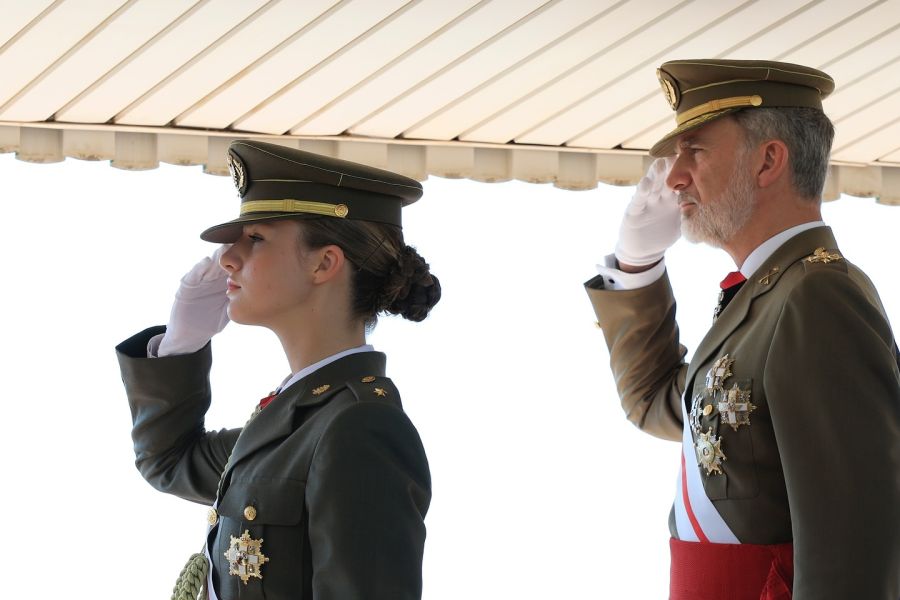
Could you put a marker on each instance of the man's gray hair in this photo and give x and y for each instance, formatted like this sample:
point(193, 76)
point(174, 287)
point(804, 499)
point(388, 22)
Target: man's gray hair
point(808, 134)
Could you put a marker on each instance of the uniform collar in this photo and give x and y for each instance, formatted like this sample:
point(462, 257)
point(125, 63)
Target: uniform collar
point(306, 371)
point(760, 282)
point(277, 420)
point(762, 252)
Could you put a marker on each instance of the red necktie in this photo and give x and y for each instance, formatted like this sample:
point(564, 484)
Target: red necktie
point(730, 287)
point(265, 401)
point(732, 279)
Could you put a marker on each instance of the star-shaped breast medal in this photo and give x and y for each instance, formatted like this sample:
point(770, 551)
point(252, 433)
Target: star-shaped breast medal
point(709, 452)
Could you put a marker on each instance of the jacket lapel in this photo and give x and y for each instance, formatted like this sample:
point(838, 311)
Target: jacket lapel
point(763, 280)
point(276, 421)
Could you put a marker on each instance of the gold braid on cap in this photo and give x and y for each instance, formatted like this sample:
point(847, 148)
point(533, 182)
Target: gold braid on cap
point(295, 206)
point(715, 105)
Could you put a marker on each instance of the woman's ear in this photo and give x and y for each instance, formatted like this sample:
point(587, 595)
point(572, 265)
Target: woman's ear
point(330, 263)
point(774, 164)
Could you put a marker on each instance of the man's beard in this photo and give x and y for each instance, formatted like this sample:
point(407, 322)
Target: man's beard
point(717, 223)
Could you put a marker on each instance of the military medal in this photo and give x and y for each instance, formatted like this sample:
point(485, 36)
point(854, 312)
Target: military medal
point(736, 407)
point(718, 373)
point(719, 308)
point(696, 403)
point(245, 557)
point(709, 452)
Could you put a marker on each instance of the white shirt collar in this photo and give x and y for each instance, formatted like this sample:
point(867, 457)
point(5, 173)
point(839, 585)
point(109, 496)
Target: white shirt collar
point(762, 253)
point(305, 371)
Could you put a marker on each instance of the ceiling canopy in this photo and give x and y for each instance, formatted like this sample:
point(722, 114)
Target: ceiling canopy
point(560, 91)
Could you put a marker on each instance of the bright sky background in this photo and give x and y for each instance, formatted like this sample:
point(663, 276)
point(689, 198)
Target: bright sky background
point(542, 489)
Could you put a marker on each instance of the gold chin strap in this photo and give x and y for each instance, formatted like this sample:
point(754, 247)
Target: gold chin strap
point(296, 206)
point(716, 105)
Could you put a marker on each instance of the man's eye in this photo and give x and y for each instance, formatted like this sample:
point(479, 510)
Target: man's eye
point(255, 237)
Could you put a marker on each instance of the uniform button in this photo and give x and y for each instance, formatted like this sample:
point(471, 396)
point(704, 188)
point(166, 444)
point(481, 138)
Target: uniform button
point(212, 517)
point(249, 513)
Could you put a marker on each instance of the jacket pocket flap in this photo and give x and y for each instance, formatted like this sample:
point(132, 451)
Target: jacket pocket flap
point(264, 501)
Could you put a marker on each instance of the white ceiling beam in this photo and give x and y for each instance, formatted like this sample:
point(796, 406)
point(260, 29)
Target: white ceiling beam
point(255, 86)
point(190, 34)
point(231, 54)
point(351, 65)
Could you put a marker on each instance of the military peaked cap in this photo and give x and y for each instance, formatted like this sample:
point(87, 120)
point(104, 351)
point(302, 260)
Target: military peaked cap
point(702, 90)
point(276, 182)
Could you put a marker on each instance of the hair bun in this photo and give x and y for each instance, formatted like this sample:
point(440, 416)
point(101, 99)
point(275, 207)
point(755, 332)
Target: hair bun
point(411, 290)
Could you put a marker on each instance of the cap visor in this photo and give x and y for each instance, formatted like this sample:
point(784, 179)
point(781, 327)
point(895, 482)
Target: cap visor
point(666, 146)
point(228, 233)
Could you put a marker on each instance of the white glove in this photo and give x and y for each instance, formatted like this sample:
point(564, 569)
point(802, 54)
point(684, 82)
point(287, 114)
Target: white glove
point(652, 221)
point(201, 307)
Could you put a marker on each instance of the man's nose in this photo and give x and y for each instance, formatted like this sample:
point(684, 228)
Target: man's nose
point(678, 178)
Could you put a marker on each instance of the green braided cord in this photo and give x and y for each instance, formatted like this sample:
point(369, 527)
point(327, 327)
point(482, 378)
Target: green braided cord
point(191, 583)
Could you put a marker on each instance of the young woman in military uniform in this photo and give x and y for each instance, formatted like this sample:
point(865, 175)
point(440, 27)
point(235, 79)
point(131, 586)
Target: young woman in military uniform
point(323, 493)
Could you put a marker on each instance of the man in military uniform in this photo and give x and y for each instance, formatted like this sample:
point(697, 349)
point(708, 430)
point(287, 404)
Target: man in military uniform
point(789, 411)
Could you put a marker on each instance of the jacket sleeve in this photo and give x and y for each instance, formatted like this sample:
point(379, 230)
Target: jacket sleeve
point(646, 358)
point(833, 390)
point(169, 398)
point(368, 490)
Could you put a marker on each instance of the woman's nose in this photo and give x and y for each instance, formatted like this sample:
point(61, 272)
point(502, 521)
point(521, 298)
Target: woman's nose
point(228, 259)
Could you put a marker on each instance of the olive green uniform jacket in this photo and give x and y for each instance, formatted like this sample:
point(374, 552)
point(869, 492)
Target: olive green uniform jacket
point(333, 469)
point(819, 463)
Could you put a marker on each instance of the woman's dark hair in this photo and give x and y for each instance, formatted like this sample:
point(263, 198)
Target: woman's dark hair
point(389, 276)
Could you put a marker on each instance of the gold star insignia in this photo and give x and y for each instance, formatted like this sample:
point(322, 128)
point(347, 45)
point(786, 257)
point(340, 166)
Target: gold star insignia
point(321, 389)
point(380, 392)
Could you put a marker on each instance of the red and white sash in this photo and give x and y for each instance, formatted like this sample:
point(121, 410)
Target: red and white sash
point(696, 518)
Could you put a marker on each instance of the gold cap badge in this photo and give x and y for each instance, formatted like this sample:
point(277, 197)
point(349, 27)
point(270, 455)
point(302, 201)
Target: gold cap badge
point(236, 168)
point(669, 87)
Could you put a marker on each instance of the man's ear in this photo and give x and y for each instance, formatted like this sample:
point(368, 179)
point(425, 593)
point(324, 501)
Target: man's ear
point(330, 263)
point(774, 164)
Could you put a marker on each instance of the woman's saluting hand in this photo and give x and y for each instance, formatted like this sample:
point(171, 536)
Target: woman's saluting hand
point(200, 309)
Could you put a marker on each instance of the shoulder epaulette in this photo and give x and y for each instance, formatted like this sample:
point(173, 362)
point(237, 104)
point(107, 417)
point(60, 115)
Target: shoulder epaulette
point(371, 387)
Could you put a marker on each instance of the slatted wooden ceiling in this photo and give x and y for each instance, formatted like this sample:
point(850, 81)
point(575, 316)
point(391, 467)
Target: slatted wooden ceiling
point(558, 90)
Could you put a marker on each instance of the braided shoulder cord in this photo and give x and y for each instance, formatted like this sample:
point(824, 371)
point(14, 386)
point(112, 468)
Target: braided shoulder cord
point(191, 583)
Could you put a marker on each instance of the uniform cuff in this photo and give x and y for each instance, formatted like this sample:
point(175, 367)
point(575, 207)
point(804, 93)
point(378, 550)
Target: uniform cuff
point(614, 279)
